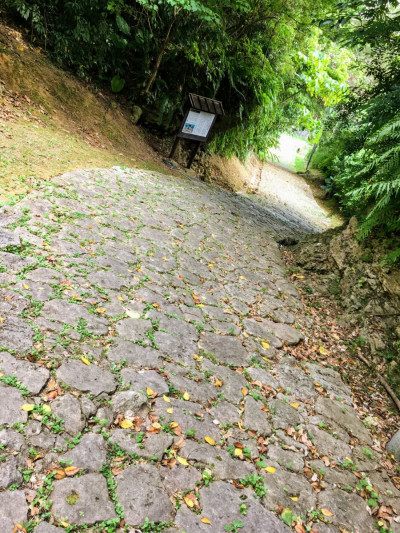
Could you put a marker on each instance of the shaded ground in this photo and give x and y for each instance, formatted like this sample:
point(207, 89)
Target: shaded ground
point(147, 324)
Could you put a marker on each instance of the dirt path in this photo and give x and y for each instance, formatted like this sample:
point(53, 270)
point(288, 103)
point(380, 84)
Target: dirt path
point(147, 380)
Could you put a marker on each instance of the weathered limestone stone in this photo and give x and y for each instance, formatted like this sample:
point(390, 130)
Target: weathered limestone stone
point(293, 461)
point(345, 416)
point(9, 473)
point(134, 355)
point(349, 510)
point(282, 486)
point(31, 376)
point(16, 335)
point(226, 349)
point(295, 382)
point(130, 401)
point(85, 378)
point(229, 500)
point(11, 440)
point(82, 500)
point(13, 509)
point(90, 454)
point(133, 329)
point(327, 445)
point(11, 401)
point(393, 446)
point(140, 380)
point(180, 478)
point(224, 466)
point(8, 238)
point(70, 314)
point(68, 408)
point(107, 280)
point(255, 418)
point(44, 527)
point(264, 377)
point(153, 446)
point(284, 415)
point(141, 495)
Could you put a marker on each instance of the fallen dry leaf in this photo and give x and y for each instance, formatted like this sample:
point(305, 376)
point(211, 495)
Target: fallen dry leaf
point(71, 470)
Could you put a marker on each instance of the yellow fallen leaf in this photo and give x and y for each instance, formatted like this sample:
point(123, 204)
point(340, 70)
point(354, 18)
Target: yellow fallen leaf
point(196, 357)
point(28, 407)
point(1, 319)
point(76, 297)
point(200, 305)
point(173, 425)
point(120, 299)
point(317, 384)
point(166, 399)
point(295, 405)
point(164, 259)
point(326, 512)
point(242, 277)
point(136, 278)
point(126, 424)
point(245, 392)
point(218, 384)
point(20, 48)
point(294, 498)
point(63, 524)
point(182, 460)
point(186, 396)
point(240, 425)
point(188, 501)
point(18, 528)
point(132, 314)
point(86, 361)
point(238, 451)
point(323, 351)
point(26, 286)
point(265, 345)
point(270, 469)
point(210, 440)
point(245, 335)
point(150, 391)
point(101, 310)
point(170, 410)
point(46, 408)
point(205, 520)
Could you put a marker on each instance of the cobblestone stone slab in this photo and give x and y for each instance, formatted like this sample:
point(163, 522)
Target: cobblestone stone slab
point(150, 355)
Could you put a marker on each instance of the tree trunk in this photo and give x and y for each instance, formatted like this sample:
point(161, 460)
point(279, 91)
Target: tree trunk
point(160, 54)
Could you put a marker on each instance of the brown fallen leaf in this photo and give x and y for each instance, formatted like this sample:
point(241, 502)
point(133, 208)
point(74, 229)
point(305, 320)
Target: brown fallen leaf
point(60, 474)
point(71, 470)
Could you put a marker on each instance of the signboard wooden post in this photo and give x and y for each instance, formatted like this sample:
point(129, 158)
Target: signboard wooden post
point(198, 122)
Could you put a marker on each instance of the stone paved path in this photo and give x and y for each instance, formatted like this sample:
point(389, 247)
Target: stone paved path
point(142, 321)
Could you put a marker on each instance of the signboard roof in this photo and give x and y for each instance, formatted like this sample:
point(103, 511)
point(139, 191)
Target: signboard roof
point(201, 103)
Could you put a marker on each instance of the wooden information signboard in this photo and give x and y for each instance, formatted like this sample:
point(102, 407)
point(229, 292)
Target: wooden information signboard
point(198, 122)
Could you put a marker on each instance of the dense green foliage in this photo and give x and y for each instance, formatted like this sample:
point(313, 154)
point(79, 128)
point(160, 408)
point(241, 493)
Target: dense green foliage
point(265, 60)
point(360, 150)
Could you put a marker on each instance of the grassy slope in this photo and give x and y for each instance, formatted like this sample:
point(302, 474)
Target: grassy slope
point(51, 123)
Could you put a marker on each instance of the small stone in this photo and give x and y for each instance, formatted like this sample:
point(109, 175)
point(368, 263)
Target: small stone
point(141, 495)
point(92, 378)
point(134, 354)
point(9, 473)
point(44, 527)
point(16, 335)
point(284, 415)
point(393, 446)
point(11, 401)
point(345, 416)
point(225, 349)
point(31, 376)
point(90, 454)
point(349, 510)
point(68, 409)
point(13, 509)
point(82, 500)
point(8, 238)
point(286, 458)
point(180, 478)
point(143, 379)
point(220, 504)
point(255, 418)
point(133, 329)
